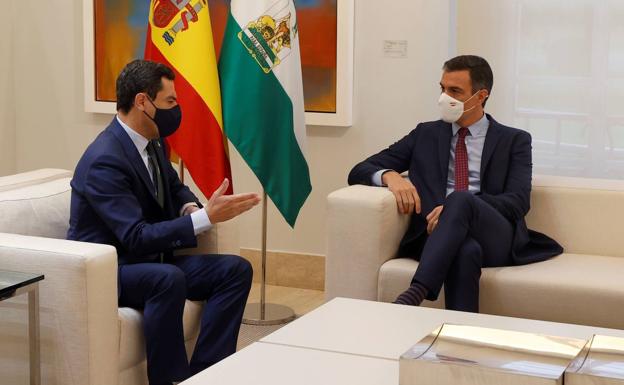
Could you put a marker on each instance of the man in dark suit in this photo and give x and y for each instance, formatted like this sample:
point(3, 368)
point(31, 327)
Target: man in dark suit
point(468, 191)
point(125, 193)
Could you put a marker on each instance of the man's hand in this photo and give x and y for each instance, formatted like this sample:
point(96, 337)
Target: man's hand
point(221, 208)
point(404, 191)
point(433, 218)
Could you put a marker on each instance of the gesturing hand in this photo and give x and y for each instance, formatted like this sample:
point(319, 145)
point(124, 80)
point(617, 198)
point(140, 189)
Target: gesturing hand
point(433, 218)
point(221, 208)
point(404, 191)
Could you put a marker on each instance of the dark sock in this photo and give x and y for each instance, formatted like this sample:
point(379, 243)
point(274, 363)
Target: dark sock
point(412, 296)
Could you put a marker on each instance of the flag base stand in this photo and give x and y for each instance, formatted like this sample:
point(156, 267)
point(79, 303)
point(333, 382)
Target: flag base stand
point(264, 314)
point(273, 314)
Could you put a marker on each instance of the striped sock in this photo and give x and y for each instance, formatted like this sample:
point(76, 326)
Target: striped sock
point(412, 296)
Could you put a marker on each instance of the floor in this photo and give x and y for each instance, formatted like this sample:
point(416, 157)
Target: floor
point(300, 300)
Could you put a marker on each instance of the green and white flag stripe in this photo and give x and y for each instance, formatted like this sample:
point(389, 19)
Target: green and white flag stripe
point(262, 98)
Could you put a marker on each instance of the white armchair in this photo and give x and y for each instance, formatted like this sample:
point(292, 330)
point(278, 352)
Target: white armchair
point(85, 338)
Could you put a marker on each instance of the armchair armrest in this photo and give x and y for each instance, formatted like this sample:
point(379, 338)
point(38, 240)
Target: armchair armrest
point(78, 307)
point(364, 230)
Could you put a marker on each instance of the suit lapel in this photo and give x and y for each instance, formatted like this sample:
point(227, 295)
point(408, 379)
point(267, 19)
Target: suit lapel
point(133, 155)
point(491, 139)
point(444, 150)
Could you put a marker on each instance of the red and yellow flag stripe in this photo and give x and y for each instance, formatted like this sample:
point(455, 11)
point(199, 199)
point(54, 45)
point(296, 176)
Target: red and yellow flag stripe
point(180, 36)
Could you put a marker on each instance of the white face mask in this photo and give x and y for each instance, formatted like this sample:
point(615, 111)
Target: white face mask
point(452, 109)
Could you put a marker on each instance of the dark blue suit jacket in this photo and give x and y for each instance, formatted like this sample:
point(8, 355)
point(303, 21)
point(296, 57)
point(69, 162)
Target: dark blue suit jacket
point(506, 170)
point(113, 201)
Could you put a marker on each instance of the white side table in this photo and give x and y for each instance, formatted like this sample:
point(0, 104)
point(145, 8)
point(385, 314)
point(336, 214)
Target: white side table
point(14, 283)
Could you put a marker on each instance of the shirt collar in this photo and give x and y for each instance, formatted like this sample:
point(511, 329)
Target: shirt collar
point(139, 141)
point(477, 129)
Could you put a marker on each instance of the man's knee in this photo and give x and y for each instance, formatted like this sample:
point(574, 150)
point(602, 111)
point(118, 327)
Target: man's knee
point(240, 267)
point(459, 203)
point(470, 248)
point(469, 258)
point(170, 278)
point(459, 198)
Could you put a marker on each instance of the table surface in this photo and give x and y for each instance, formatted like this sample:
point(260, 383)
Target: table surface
point(386, 330)
point(270, 364)
point(347, 341)
point(13, 280)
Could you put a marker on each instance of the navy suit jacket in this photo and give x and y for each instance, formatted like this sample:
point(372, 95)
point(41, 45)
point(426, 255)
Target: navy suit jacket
point(506, 170)
point(113, 201)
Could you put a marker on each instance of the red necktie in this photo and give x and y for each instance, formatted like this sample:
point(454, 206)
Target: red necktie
point(461, 161)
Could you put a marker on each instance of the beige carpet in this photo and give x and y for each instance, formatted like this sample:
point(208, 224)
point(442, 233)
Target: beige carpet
point(300, 300)
point(251, 333)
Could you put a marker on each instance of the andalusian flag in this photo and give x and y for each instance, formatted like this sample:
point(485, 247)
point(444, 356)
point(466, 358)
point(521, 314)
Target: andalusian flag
point(262, 91)
point(179, 35)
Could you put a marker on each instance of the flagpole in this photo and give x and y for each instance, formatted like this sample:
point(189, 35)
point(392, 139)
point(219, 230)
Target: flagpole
point(263, 313)
point(264, 256)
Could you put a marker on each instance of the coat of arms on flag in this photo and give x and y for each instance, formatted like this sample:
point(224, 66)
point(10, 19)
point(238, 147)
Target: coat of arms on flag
point(268, 38)
point(166, 10)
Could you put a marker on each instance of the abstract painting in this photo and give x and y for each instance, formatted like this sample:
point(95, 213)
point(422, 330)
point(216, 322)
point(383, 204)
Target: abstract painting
point(115, 34)
point(120, 28)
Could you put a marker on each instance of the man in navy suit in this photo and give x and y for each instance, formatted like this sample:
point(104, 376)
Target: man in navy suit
point(125, 193)
point(468, 191)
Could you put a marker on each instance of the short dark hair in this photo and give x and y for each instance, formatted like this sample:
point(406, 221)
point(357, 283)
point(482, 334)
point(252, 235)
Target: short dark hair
point(140, 76)
point(481, 75)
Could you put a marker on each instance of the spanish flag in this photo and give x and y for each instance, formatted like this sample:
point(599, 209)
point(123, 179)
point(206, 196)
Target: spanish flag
point(179, 35)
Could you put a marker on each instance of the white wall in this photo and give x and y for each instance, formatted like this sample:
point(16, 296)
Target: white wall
point(52, 129)
point(499, 51)
point(7, 105)
point(391, 96)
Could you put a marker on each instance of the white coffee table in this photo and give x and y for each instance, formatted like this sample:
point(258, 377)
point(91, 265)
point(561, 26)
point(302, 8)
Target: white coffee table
point(385, 330)
point(270, 364)
point(348, 341)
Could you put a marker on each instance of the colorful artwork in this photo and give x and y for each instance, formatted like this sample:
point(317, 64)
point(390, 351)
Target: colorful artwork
point(120, 27)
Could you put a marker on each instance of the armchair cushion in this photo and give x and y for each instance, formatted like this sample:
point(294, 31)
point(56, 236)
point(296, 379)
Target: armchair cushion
point(37, 210)
point(552, 290)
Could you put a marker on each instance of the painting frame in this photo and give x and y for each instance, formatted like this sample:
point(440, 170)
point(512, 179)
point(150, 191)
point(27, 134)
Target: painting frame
point(343, 117)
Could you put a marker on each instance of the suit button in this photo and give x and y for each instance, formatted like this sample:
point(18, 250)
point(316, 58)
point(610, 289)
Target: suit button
point(178, 243)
